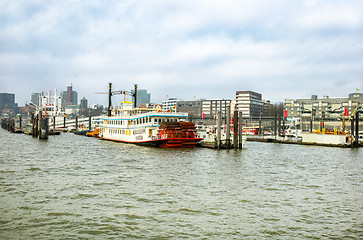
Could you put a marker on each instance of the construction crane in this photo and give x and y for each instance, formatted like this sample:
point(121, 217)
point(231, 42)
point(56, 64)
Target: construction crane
point(111, 93)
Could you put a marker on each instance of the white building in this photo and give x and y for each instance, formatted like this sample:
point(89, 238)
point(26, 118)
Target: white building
point(211, 107)
point(170, 104)
point(249, 103)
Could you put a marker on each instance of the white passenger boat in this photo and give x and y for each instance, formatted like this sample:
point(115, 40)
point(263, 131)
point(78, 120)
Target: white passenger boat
point(148, 127)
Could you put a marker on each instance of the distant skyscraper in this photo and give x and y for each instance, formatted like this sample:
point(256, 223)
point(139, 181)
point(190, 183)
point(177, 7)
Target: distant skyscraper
point(69, 97)
point(35, 98)
point(69, 94)
point(7, 101)
point(143, 97)
point(84, 103)
point(83, 107)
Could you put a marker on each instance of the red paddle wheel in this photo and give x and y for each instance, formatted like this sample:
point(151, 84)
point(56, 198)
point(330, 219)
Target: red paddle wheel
point(178, 134)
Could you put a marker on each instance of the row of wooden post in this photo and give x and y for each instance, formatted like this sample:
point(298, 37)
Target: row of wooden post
point(41, 125)
point(237, 129)
point(64, 123)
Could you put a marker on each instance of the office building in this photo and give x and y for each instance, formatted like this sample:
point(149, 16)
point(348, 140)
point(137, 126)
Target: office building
point(325, 107)
point(69, 97)
point(35, 98)
point(249, 103)
point(83, 107)
point(193, 108)
point(170, 104)
point(7, 101)
point(143, 97)
point(210, 108)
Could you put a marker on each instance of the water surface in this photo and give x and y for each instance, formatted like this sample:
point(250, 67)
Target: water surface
point(84, 188)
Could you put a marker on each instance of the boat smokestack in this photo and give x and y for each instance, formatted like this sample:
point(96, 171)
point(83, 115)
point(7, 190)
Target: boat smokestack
point(135, 95)
point(109, 99)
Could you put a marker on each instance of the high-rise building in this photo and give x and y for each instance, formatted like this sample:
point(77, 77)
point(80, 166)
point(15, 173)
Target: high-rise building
point(83, 107)
point(249, 103)
point(84, 103)
point(69, 97)
point(7, 101)
point(35, 98)
point(143, 97)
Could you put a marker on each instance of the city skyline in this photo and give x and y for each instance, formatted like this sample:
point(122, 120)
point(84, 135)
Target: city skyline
point(187, 50)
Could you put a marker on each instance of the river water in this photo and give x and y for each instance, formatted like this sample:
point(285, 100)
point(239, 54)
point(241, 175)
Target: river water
point(74, 187)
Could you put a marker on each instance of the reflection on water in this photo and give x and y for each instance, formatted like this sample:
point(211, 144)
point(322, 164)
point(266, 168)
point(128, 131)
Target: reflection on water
point(76, 187)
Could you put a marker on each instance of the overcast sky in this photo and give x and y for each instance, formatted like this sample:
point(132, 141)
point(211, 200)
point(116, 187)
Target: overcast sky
point(184, 49)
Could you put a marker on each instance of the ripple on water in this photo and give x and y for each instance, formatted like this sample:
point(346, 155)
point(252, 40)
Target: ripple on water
point(72, 187)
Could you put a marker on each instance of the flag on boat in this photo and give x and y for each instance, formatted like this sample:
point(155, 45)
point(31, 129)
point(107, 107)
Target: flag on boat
point(203, 115)
point(357, 89)
point(65, 115)
point(346, 112)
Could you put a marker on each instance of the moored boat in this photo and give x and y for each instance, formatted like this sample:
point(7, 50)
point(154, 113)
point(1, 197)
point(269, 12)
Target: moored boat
point(148, 127)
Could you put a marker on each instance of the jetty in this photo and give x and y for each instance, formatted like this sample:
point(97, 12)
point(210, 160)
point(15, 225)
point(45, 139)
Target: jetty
point(321, 137)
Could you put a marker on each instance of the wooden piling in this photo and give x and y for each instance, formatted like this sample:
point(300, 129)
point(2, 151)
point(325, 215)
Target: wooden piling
point(275, 125)
point(352, 129)
point(283, 125)
point(219, 120)
point(53, 125)
point(235, 129)
point(64, 123)
point(356, 142)
point(43, 128)
point(33, 125)
point(76, 122)
point(89, 120)
point(240, 130)
point(259, 126)
point(37, 125)
point(228, 127)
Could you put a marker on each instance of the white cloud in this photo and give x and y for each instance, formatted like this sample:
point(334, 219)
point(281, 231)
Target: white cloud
point(183, 48)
